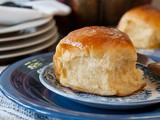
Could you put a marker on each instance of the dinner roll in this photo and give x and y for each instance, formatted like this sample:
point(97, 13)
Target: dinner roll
point(142, 24)
point(98, 60)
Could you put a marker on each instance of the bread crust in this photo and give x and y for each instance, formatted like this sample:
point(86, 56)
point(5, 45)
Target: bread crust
point(96, 39)
point(147, 14)
point(142, 24)
point(108, 50)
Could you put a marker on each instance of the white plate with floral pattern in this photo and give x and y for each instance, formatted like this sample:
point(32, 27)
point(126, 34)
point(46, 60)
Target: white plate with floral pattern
point(150, 95)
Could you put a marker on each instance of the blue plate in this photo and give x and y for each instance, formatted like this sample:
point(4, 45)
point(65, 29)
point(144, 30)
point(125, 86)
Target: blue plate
point(20, 83)
point(148, 96)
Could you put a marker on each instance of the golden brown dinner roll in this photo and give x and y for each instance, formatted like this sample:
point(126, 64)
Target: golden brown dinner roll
point(142, 24)
point(98, 60)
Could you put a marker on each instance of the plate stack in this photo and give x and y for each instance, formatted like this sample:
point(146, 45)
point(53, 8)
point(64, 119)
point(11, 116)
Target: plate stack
point(27, 38)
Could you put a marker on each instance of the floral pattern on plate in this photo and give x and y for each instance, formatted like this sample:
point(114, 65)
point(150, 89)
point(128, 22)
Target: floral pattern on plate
point(149, 95)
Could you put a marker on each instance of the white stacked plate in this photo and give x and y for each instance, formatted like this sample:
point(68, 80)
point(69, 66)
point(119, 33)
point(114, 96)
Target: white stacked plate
point(27, 38)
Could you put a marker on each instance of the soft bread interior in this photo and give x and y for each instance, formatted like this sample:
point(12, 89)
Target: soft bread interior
point(104, 75)
point(98, 60)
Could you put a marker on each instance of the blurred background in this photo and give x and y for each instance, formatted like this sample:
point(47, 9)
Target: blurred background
point(97, 12)
point(94, 12)
point(42, 31)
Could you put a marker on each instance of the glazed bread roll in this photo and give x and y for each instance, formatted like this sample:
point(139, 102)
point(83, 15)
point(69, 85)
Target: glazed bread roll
point(142, 24)
point(98, 60)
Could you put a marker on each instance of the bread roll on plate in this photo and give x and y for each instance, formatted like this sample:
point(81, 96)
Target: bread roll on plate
point(98, 60)
point(142, 24)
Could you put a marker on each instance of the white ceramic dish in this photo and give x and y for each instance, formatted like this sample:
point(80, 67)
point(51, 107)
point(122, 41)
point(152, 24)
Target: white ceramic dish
point(28, 42)
point(29, 50)
point(30, 32)
point(25, 25)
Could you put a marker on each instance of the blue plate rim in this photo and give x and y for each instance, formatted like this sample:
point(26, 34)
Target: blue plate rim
point(34, 107)
point(59, 112)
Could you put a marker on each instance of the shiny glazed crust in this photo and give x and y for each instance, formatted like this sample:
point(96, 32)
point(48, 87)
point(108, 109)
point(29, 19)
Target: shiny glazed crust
point(94, 39)
point(98, 51)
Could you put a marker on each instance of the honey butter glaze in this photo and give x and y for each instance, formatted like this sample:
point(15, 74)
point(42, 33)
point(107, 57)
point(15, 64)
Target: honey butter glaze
point(95, 37)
